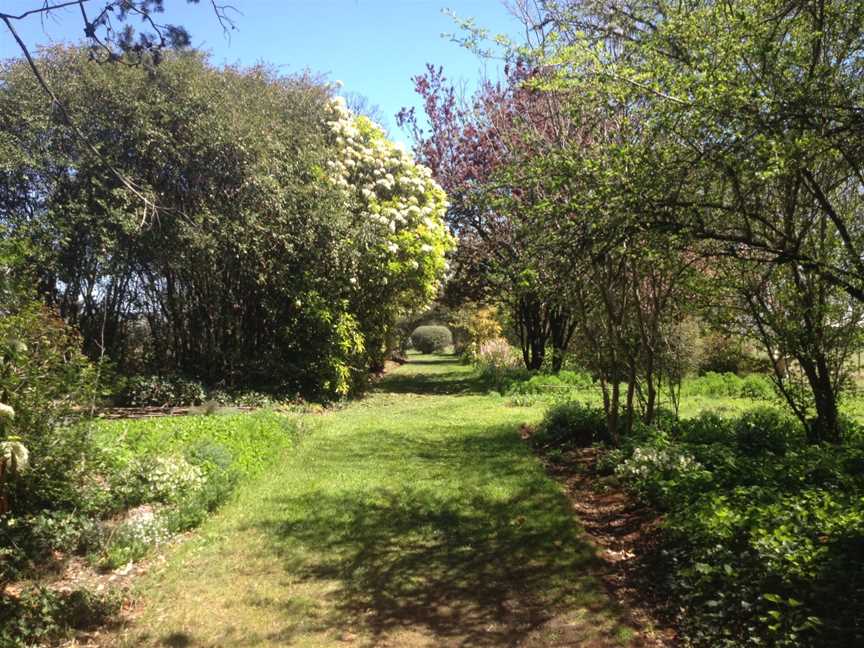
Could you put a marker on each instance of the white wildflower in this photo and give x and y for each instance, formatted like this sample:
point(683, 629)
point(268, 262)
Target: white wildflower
point(15, 455)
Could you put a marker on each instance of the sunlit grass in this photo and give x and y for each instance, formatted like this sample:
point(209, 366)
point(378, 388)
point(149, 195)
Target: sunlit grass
point(416, 517)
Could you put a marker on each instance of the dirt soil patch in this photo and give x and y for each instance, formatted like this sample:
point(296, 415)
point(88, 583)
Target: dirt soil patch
point(624, 533)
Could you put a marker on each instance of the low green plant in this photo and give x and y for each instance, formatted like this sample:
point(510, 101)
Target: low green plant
point(543, 384)
point(133, 539)
point(162, 391)
point(730, 385)
point(40, 616)
point(570, 424)
point(767, 430)
point(761, 542)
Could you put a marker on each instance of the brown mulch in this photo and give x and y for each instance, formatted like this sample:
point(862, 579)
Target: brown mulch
point(624, 533)
point(154, 411)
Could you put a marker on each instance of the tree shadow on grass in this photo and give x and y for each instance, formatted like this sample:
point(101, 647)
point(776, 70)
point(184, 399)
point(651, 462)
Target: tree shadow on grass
point(434, 376)
point(466, 566)
point(449, 383)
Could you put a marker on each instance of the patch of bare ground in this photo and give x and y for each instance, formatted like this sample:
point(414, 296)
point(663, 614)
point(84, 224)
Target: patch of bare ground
point(624, 533)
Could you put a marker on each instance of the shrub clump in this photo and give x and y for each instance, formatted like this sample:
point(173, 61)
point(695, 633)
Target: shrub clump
point(570, 424)
point(162, 391)
point(431, 339)
point(730, 385)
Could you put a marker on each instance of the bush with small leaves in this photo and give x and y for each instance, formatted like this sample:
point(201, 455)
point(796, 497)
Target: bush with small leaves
point(762, 532)
point(40, 616)
point(570, 424)
point(162, 391)
point(768, 430)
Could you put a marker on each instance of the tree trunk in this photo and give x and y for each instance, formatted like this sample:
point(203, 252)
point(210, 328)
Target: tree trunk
point(533, 329)
point(651, 397)
point(611, 403)
point(825, 428)
point(561, 330)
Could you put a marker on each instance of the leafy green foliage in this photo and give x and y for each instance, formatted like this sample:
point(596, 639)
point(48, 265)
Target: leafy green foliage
point(323, 231)
point(165, 391)
point(762, 533)
point(249, 440)
point(755, 386)
point(40, 616)
point(473, 325)
point(570, 424)
point(43, 376)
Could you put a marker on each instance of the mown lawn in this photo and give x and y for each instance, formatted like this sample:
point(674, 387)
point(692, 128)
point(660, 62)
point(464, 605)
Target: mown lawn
point(416, 517)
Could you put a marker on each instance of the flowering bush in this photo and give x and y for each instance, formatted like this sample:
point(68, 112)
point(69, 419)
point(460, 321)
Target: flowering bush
point(134, 538)
point(656, 471)
point(157, 479)
point(399, 214)
point(400, 206)
point(497, 355)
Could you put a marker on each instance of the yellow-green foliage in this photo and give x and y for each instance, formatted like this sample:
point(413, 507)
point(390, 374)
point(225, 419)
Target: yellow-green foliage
point(477, 324)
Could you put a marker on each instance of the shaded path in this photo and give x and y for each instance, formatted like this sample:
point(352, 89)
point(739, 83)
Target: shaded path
point(415, 517)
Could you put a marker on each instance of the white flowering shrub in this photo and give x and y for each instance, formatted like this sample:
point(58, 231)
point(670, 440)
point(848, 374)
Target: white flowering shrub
point(158, 479)
point(6, 411)
point(14, 457)
point(134, 538)
point(398, 208)
point(656, 470)
point(146, 530)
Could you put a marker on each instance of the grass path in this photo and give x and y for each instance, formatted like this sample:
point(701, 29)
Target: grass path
point(416, 517)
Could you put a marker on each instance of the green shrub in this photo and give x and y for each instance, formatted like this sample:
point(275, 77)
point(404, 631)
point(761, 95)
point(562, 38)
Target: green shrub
point(767, 430)
point(730, 385)
point(757, 387)
point(550, 384)
point(570, 424)
point(707, 428)
point(65, 531)
point(716, 385)
point(162, 391)
point(43, 376)
point(431, 339)
point(155, 478)
point(576, 379)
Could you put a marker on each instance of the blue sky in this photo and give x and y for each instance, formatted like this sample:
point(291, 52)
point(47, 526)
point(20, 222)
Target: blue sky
point(373, 46)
